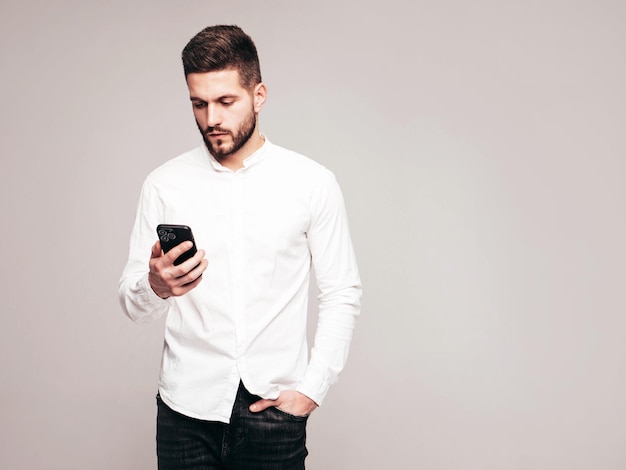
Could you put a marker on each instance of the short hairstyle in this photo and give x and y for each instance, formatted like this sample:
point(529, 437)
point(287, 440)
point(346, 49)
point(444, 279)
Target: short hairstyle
point(223, 47)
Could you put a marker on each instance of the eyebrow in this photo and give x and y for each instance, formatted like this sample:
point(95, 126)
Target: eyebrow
point(195, 98)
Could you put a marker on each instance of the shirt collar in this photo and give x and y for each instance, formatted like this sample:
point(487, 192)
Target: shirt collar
point(255, 158)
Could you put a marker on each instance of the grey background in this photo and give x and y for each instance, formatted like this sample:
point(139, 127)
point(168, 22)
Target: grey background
point(480, 147)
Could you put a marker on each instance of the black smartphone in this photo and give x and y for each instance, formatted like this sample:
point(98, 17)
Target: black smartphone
point(172, 235)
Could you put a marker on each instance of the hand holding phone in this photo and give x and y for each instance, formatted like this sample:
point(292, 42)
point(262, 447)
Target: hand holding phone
point(168, 278)
point(173, 235)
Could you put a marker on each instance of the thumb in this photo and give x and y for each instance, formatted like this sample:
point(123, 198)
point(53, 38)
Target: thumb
point(156, 250)
point(262, 405)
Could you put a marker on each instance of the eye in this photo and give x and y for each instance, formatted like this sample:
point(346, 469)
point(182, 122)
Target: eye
point(199, 104)
point(227, 102)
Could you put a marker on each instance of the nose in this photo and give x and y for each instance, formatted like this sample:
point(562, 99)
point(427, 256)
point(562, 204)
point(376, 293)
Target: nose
point(213, 116)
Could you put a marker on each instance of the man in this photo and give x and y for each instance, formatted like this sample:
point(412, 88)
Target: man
point(236, 384)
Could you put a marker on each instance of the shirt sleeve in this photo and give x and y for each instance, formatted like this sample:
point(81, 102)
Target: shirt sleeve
point(339, 287)
point(138, 300)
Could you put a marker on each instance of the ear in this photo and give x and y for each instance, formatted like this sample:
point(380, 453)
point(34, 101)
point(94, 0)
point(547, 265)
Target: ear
point(260, 93)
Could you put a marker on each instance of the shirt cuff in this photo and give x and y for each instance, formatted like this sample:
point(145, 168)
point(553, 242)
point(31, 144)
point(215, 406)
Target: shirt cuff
point(140, 303)
point(149, 297)
point(314, 386)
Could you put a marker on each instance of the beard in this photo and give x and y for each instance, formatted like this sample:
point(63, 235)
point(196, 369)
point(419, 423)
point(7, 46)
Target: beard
point(221, 150)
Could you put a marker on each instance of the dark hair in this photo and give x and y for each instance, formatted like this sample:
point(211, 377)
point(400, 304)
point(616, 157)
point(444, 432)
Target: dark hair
point(223, 47)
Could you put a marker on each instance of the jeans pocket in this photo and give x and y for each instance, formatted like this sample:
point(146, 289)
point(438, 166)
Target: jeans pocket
point(289, 415)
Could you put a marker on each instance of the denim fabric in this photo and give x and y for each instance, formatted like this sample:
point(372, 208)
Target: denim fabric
point(269, 440)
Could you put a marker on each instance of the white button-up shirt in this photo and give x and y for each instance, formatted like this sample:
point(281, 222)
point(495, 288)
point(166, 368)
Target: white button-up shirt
point(262, 227)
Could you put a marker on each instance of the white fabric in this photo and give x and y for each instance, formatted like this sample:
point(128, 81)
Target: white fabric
point(261, 227)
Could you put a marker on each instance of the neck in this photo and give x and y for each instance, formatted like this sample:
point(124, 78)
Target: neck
point(235, 161)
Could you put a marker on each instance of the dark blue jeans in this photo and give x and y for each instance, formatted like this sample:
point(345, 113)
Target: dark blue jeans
point(269, 440)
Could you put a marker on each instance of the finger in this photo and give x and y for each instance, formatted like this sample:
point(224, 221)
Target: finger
point(186, 279)
point(199, 268)
point(178, 250)
point(186, 283)
point(261, 405)
point(182, 290)
point(156, 250)
point(193, 263)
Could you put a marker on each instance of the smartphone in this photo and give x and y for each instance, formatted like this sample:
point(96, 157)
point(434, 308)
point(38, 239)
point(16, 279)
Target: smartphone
point(172, 235)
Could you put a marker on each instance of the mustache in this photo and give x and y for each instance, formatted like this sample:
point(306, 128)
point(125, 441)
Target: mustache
point(217, 129)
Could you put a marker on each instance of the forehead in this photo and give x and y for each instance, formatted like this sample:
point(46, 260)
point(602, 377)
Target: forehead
point(211, 85)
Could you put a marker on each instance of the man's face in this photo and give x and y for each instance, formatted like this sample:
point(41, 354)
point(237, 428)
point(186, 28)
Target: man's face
point(225, 111)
